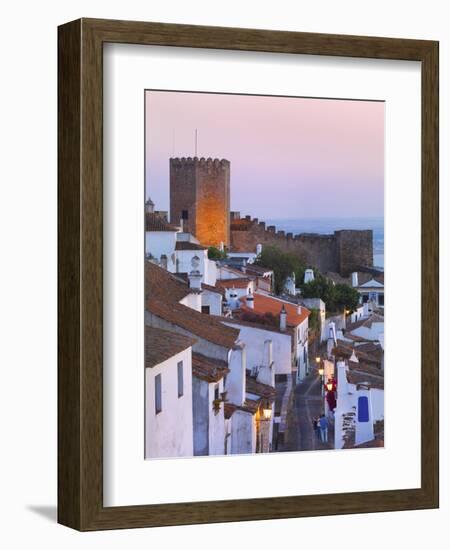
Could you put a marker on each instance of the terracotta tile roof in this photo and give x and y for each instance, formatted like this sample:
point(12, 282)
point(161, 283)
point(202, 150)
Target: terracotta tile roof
point(355, 338)
point(345, 350)
point(358, 377)
point(374, 318)
point(261, 326)
point(268, 304)
point(367, 368)
point(196, 323)
point(160, 345)
point(234, 270)
point(258, 388)
point(250, 406)
point(369, 347)
point(153, 222)
point(185, 245)
point(241, 282)
point(163, 285)
point(211, 288)
point(210, 370)
point(254, 269)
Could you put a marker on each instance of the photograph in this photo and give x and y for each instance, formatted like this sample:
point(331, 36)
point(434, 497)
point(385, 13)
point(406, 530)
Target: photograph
point(264, 274)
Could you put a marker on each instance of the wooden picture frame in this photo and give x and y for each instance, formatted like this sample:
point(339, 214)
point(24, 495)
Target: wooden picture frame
point(80, 271)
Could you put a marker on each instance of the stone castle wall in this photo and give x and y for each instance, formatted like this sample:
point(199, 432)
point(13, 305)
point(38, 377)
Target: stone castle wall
point(202, 187)
point(341, 252)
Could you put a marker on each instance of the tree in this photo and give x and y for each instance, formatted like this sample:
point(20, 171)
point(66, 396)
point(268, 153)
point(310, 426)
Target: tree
point(346, 297)
point(282, 263)
point(336, 297)
point(216, 254)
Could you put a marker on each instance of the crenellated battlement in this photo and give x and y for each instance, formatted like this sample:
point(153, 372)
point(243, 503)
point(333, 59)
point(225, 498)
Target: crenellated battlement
point(210, 164)
point(340, 251)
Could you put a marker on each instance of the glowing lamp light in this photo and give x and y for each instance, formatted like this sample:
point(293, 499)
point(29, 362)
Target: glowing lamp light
point(267, 412)
point(317, 360)
point(320, 371)
point(329, 386)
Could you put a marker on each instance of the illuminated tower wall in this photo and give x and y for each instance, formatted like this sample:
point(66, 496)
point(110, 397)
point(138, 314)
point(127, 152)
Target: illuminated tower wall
point(200, 196)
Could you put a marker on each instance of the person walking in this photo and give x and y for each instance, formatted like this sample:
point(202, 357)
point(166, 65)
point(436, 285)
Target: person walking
point(323, 423)
point(316, 427)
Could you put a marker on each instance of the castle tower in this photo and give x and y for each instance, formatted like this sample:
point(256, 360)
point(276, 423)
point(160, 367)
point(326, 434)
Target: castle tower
point(200, 197)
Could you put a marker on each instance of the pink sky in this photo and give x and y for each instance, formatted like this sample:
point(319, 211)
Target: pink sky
point(290, 157)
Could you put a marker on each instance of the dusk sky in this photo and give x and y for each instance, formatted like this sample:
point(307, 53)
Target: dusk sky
point(290, 157)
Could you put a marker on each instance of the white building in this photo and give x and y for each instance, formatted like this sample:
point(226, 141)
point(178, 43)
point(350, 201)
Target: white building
point(160, 241)
point(292, 318)
point(262, 277)
point(255, 336)
point(186, 251)
point(234, 289)
point(371, 328)
point(359, 404)
point(228, 417)
point(370, 287)
point(168, 394)
point(212, 300)
point(208, 405)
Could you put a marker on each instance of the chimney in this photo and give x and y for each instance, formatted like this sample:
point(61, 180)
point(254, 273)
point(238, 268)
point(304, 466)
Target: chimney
point(221, 247)
point(149, 206)
point(354, 279)
point(309, 276)
point(163, 261)
point(233, 299)
point(258, 249)
point(283, 319)
point(250, 300)
point(266, 372)
point(195, 281)
point(299, 309)
point(268, 353)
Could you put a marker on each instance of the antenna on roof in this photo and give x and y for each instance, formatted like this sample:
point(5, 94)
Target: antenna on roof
point(196, 137)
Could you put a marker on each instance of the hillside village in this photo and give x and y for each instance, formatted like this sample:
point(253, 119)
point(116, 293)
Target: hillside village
point(233, 366)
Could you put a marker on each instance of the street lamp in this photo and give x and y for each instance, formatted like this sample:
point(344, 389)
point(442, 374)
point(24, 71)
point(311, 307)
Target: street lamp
point(317, 359)
point(267, 411)
point(329, 386)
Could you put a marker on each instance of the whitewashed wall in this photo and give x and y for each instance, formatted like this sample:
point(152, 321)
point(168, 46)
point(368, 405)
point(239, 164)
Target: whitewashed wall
point(213, 300)
point(370, 333)
point(158, 243)
point(243, 433)
point(216, 423)
point(170, 432)
point(254, 339)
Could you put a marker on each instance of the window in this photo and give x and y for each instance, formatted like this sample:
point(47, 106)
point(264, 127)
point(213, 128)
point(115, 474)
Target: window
point(158, 394)
point(205, 309)
point(381, 299)
point(184, 215)
point(216, 391)
point(180, 378)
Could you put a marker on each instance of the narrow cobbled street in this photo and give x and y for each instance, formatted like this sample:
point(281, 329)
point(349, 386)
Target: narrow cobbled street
point(307, 404)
